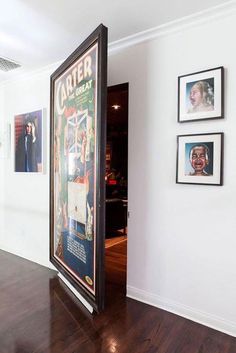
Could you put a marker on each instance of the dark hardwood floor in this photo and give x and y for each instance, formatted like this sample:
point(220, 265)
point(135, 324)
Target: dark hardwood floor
point(116, 267)
point(39, 315)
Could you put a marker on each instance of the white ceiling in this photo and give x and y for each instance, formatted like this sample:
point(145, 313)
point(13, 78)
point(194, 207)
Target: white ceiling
point(37, 33)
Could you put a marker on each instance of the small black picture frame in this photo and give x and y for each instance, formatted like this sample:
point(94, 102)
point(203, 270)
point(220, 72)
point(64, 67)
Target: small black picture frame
point(201, 95)
point(200, 159)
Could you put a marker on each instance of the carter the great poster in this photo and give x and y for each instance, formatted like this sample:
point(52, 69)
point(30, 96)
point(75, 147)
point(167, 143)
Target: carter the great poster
point(75, 116)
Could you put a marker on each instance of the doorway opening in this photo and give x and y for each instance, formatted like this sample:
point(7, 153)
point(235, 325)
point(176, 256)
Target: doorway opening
point(116, 189)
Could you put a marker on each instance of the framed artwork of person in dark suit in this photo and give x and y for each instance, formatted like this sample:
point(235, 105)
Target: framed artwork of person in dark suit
point(28, 143)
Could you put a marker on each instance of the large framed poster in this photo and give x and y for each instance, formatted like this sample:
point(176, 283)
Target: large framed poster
point(77, 187)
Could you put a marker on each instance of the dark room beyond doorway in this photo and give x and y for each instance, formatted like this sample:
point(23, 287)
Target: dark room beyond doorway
point(116, 188)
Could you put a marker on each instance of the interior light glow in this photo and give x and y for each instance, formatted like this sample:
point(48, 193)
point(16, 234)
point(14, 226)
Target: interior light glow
point(116, 106)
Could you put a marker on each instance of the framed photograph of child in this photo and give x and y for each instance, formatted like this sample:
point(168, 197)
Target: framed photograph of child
point(201, 95)
point(200, 159)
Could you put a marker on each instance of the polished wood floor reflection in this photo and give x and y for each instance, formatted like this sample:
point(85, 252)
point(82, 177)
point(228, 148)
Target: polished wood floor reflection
point(39, 315)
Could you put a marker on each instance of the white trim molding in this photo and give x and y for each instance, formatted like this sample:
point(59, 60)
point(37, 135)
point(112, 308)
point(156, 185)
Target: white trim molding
point(196, 19)
point(212, 321)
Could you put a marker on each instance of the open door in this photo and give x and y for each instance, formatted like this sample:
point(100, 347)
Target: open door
point(77, 185)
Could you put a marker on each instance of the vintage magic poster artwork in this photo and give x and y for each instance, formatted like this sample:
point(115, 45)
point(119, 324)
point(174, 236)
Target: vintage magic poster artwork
point(75, 113)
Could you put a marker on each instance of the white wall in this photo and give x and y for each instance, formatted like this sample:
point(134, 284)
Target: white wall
point(1, 163)
point(26, 217)
point(181, 238)
point(182, 241)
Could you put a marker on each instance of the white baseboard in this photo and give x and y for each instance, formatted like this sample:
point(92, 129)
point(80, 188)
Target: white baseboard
point(203, 318)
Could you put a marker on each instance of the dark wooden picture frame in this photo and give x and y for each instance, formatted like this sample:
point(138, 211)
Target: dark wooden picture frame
point(77, 167)
point(200, 159)
point(201, 95)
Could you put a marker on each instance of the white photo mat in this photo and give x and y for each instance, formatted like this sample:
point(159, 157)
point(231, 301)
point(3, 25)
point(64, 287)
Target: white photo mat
point(216, 75)
point(217, 140)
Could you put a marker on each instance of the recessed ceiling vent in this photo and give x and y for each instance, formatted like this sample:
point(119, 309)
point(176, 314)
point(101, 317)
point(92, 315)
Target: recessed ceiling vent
point(8, 65)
